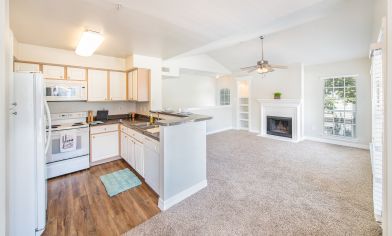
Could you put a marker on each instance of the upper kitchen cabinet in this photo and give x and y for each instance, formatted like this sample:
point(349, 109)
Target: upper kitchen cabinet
point(22, 66)
point(97, 85)
point(139, 85)
point(53, 72)
point(76, 73)
point(118, 86)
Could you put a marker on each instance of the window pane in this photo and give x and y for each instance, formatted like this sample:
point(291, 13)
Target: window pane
point(339, 93)
point(328, 83)
point(328, 93)
point(339, 129)
point(349, 82)
point(328, 118)
point(338, 82)
point(349, 117)
point(348, 132)
point(329, 105)
point(339, 105)
point(351, 95)
point(328, 128)
point(338, 117)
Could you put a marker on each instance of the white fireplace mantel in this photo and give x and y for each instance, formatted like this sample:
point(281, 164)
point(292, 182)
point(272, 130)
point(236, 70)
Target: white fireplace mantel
point(292, 108)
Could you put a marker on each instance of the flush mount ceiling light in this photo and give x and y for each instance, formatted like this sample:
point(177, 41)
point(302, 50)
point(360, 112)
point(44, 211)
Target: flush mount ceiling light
point(89, 42)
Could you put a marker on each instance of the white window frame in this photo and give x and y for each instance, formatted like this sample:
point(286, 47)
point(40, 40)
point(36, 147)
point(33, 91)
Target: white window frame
point(333, 136)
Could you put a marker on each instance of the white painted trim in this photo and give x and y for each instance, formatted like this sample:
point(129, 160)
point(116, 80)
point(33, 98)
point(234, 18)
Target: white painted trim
point(279, 138)
point(164, 205)
point(337, 76)
point(338, 142)
point(220, 130)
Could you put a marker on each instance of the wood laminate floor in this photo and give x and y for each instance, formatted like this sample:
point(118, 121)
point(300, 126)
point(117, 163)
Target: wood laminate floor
point(79, 205)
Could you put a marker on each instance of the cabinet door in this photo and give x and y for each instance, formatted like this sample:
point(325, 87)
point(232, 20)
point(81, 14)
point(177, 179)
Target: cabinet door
point(53, 72)
point(134, 85)
point(130, 84)
point(131, 152)
point(139, 158)
point(118, 88)
point(151, 167)
point(143, 85)
point(97, 85)
point(103, 146)
point(124, 146)
point(20, 66)
point(74, 73)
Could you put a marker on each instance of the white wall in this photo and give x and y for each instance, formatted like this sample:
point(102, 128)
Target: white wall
point(115, 108)
point(5, 75)
point(287, 81)
point(188, 91)
point(313, 103)
point(221, 117)
point(201, 62)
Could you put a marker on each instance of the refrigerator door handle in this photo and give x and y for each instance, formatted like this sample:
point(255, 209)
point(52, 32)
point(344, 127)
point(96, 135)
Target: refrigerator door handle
point(49, 120)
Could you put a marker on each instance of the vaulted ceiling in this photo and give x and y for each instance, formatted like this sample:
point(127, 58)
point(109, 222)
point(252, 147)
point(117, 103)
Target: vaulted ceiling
point(226, 30)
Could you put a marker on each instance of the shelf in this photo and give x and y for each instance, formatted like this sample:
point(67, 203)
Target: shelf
point(244, 120)
point(244, 105)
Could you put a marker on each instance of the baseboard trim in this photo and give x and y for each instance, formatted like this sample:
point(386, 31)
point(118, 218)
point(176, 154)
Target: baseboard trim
point(219, 130)
point(164, 205)
point(338, 142)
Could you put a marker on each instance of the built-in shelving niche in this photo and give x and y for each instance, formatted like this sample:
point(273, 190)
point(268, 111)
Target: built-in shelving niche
point(243, 117)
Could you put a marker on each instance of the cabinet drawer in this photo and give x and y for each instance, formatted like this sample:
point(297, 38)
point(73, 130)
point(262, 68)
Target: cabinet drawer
point(104, 129)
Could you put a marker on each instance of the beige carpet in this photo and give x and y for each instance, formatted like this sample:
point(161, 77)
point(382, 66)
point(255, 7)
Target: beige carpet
point(259, 186)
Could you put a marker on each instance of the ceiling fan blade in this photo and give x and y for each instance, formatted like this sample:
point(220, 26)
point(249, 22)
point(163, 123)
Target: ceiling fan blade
point(279, 66)
point(249, 67)
point(251, 70)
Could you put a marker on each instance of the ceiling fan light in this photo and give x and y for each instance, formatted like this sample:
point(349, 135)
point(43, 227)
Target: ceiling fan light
point(262, 70)
point(89, 42)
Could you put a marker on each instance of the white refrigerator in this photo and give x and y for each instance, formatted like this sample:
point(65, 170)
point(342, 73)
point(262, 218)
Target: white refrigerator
point(29, 113)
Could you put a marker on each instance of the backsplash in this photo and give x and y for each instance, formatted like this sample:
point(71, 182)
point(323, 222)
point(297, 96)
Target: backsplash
point(114, 108)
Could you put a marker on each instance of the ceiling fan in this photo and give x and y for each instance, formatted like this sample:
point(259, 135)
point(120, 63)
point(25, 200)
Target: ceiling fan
point(262, 66)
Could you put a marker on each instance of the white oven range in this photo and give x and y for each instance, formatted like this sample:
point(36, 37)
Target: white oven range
point(69, 150)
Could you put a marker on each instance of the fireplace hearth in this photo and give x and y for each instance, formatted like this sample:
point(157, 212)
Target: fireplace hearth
point(279, 126)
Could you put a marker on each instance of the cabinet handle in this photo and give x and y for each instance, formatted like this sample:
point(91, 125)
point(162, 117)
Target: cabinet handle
point(93, 136)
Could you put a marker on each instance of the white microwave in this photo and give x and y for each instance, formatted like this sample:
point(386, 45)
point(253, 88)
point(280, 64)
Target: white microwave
point(65, 90)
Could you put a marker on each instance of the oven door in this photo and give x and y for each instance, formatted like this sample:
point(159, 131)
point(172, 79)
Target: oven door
point(63, 90)
point(55, 153)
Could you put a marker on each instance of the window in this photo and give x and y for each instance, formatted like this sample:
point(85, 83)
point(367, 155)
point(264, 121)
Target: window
point(225, 96)
point(340, 106)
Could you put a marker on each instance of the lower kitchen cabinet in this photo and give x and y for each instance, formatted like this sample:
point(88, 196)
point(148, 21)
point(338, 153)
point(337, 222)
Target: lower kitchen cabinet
point(131, 152)
point(104, 145)
point(151, 164)
point(139, 157)
point(142, 154)
point(124, 146)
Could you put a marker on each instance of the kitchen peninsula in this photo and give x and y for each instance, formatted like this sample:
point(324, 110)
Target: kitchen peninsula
point(169, 154)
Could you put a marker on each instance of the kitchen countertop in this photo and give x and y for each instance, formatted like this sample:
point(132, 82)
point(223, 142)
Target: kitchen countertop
point(124, 120)
point(179, 118)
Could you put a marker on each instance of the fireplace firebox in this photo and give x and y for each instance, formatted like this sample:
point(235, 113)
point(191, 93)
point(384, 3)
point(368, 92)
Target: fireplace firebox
point(279, 126)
